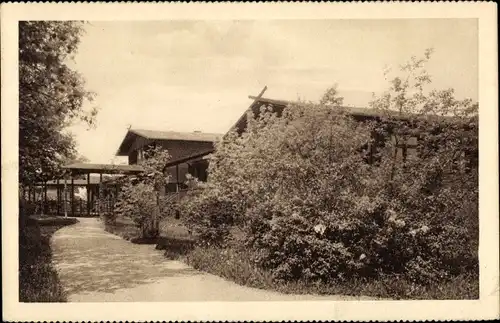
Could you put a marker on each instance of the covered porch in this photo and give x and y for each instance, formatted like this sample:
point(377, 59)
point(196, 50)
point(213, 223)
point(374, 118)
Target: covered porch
point(57, 197)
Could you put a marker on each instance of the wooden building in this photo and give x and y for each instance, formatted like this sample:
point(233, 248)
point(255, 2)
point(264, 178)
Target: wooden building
point(187, 151)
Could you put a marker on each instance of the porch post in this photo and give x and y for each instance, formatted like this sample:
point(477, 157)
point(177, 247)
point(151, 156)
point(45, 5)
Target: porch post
point(65, 199)
point(99, 195)
point(35, 197)
point(88, 194)
point(58, 197)
point(41, 198)
point(177, 177)
point(45, 206)
point(72, 192)
point(115, 198)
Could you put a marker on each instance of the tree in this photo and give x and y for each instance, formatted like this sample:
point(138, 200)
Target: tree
point(331, 98)
point(51, 97)
point(433, 190)
point(140, 196)
point(444, 131)
point(435, 118)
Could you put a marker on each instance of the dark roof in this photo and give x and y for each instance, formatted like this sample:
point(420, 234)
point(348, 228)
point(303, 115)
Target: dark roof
point(172, 135)
point(165, 135)
point(188, 158)
point(85, 168)
point(357, 112)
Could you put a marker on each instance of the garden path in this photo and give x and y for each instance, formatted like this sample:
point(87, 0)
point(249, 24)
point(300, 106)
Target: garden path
point(97, 266)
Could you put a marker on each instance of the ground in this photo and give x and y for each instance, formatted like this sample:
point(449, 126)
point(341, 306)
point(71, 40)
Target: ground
point(95, 266)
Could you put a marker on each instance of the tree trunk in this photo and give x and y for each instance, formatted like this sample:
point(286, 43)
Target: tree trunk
point(150, 228)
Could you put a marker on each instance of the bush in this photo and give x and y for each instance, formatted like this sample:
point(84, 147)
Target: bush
point(38, 280)
point(138, 202)
point(322, 197)
point(236, 265)
point(139, 197)
point(209, 215)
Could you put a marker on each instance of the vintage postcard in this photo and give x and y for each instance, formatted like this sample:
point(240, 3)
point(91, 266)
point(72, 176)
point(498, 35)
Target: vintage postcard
point(249, 161)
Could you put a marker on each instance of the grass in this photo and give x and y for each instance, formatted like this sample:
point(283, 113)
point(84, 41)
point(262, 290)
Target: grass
point(174, 237)
point(123, 227)
point(55, 221)
point(236, 266)
point(38, 280)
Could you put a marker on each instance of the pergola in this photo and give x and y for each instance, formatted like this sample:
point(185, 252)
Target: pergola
point(91, 184)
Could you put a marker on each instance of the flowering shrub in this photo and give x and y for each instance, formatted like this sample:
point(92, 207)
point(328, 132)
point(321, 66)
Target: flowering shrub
point(210, 215)
point(321, 196)
point(140, 198)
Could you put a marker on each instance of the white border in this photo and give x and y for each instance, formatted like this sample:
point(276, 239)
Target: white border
point(485, 308)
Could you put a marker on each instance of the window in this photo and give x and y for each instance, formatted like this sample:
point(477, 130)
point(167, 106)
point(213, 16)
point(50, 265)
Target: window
point(198, 169)
point(140, 155)
point(132, 158)
point(171, 187)
point(405, 150)
point(371, 150)
point(411, 148)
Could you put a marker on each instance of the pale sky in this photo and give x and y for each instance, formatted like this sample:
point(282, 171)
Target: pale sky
point(197, 75)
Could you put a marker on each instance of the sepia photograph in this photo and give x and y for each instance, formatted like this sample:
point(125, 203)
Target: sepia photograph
point(248, 160)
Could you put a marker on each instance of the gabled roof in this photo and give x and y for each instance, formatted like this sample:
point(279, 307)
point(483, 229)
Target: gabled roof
point(172, 135)
point(357, 112)
point(164, 135)
point(279, 105)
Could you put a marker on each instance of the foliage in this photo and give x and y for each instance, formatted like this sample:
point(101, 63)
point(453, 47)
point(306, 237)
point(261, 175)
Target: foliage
point(235, 264)
point(139, 198)
point(435, 192)
point(38, 280)
point(322, 196)
point(230, 263)
point(51, 96)
point(138, 202)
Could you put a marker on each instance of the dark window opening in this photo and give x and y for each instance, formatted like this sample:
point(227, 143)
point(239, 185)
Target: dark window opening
point(132, 158)
point(403, 151)
point(171, 187)
point(199, 170)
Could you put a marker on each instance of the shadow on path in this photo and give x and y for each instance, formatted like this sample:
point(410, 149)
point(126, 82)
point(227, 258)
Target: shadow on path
point(88, 260)
point(97, 266)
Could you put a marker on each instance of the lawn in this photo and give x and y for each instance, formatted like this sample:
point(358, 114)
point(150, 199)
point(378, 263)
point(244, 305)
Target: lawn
point(123, 227)
point(174, 237)
point(38, 280)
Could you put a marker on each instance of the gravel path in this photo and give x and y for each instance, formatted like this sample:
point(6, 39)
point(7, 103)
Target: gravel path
point(96, 266)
